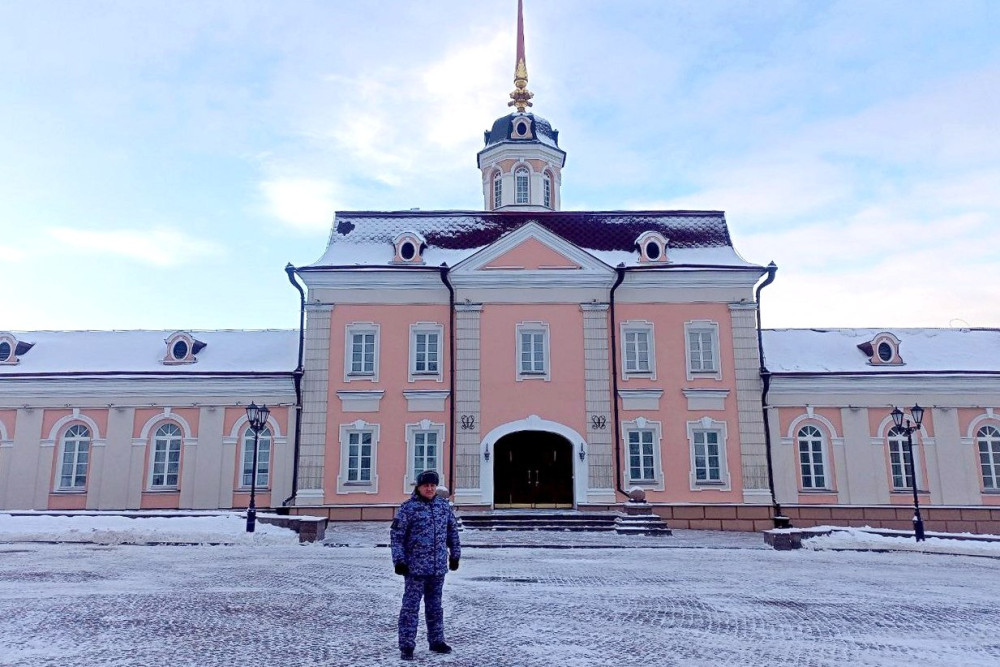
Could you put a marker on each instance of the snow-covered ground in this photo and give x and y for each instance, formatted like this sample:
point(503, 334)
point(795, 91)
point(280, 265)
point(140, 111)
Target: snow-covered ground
point(696, 598)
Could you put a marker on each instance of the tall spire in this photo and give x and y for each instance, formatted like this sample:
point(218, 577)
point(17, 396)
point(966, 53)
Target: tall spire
point(521, 97)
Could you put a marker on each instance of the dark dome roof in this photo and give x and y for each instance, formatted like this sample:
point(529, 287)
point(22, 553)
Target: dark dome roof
point(503, 128)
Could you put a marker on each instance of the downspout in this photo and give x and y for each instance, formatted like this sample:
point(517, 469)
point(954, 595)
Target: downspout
point(620, 269)
point(451, 377)
point(297, 378)
point(780, 521)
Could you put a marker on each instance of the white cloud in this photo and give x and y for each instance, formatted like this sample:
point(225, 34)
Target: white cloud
point(160, 247)
point(9, 254)
point(302, 203)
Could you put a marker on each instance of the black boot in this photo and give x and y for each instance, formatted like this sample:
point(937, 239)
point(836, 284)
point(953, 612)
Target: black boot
point(406, 654)
point(440, 647)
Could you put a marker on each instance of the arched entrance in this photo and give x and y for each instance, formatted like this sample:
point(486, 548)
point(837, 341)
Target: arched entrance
point(533, 469)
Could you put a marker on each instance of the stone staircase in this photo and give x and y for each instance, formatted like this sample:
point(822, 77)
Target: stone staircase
point(566, 520)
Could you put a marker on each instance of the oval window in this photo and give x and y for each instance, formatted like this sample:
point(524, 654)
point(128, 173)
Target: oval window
point(884, 351)
point(179, 350)
point(407, 251)
point(522, 127)
point(653, 250)
point(5, 351)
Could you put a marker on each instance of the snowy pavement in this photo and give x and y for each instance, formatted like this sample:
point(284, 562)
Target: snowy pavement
point(722, 599)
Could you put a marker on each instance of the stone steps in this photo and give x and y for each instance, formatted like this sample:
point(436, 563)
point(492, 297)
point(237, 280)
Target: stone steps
point(541, 520)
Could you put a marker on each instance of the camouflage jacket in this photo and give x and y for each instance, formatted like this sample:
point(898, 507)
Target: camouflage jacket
point(423, 534)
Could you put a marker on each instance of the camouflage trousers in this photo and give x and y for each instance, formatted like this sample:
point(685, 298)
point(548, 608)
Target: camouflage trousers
point(429, 588)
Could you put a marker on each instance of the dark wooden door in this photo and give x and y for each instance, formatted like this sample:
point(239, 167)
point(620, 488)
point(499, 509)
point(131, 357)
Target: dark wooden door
point(533, 469)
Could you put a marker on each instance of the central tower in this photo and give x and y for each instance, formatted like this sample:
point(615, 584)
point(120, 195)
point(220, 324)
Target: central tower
point(521, 162)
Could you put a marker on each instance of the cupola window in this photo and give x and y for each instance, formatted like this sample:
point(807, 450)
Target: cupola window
point(521, 186)
point(497, 190)
point(409, 248)
point(652, 247)
point(547, 189)
point(181, 348)
point(882, 350)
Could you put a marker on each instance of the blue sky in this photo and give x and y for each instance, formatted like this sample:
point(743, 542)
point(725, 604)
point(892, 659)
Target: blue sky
point(162, 162)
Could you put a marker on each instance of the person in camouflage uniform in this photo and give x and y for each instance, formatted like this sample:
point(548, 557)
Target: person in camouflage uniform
point(425, 545)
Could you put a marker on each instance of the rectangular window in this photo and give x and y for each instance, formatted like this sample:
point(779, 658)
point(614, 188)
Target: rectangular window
point(989, 458)
point(426, 353)
point(521, 187)
point(637, 352)
point(75, 458)
point(497, 191)
point(701, 351)
point(811, 467)
point(359, 457)
point(532, 352)
point(640, 455)
point(899, 462)
point(707, 457)
point(263, 459)
point(547, 191)
point(425, 451)
point(363, 354)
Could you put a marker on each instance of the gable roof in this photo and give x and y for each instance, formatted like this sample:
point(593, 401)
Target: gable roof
point(364, 238)
point(835, 351)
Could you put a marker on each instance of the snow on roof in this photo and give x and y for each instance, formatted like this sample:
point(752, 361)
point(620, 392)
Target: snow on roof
point(365, 238)
point(922, 350)
point(143, 351)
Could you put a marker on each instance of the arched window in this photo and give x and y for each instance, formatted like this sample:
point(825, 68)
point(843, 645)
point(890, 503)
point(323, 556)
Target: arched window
point(547, 190)
point(899, 459)
point(166, 462)
point(75, 457)
point(497, 190)
point(988, 439)
point(521, 186)
point(811, 464)
point(263, 459)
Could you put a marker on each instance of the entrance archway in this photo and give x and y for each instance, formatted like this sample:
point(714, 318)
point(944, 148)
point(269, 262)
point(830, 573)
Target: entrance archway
point(533, 469)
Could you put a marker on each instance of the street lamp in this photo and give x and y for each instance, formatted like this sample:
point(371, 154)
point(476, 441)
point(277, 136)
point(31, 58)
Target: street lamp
point(257, 415)
point(917, 413)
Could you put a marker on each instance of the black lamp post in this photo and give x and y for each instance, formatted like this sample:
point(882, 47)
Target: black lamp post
point(258, 418)
point(917, 413)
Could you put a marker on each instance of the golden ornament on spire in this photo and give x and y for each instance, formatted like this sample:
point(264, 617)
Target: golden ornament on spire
point(521, 97)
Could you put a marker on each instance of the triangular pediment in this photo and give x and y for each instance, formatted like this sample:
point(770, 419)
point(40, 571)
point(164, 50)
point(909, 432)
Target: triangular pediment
point(531, 252)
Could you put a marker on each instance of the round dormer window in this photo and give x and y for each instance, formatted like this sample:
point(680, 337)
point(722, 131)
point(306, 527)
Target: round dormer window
point(179, 350)
point(885, 351)
point(521, 127)
point(653, 250)
point(5, 351)
point(407, 250)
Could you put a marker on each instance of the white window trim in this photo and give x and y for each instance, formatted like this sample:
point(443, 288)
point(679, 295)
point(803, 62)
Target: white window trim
point(152, 459)
point(344, 486)
point(245, 447)
point(643, 424)
point(424, 328)
point(523, 169)
point(709, 424)
point(701, 326)
point(977, 453)
point(917, 469)
point(350, 331)
point(824, 453)
point(634, 326)
point(496, 189)
point(533, 327)
point(62, 453)
point(409, 479)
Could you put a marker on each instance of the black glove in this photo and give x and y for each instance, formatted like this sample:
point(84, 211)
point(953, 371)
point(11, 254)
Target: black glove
point(452, 564)
point(401, 568)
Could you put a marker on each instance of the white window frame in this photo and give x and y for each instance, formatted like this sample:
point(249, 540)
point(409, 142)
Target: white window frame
point(265, 453)
point(709, 425)
point(350, 331)
point(547, 190)
point(896, 439)
point(533, 328)
point(76, 465)
point(518, 174)
point(412, 433)
point(702, 328)
point(165, 468)
point(638, 327)
point(426, 328)
point(497, 190)
point(641, 424)
point(344, 483)
point(816, 458)
point(988, 445)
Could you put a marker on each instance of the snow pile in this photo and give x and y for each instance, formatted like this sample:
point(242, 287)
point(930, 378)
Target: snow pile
point(859, 539)
point(117, 529)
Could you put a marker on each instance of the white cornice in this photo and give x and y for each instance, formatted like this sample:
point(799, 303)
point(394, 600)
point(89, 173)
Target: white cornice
point(885, 384)
point(122, 389)
point(360, 279)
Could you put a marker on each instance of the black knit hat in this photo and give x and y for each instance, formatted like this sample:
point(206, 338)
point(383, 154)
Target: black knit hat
point(428, 477)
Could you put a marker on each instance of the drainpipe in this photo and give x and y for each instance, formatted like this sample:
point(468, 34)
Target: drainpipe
point(620, 269)
point(780, 521)
point(297, 378)
point(451, 376)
